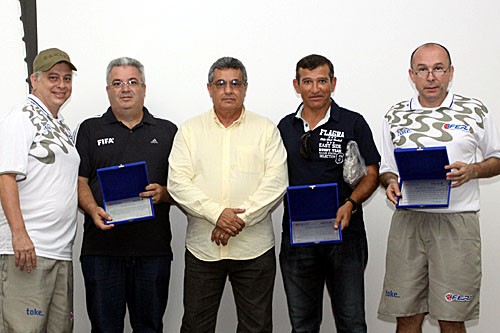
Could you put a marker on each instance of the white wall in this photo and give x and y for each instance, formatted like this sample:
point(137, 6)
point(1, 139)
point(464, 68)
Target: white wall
point(369, 43)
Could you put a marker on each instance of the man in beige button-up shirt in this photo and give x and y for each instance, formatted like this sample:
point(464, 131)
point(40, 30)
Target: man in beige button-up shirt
point(228, 172)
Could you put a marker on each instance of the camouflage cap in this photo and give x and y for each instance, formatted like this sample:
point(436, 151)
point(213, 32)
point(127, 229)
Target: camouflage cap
point(46, 59)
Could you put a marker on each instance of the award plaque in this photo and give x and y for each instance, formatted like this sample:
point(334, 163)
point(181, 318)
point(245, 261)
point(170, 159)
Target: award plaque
point(120, 188)
point(312, 210)
point(422, 177)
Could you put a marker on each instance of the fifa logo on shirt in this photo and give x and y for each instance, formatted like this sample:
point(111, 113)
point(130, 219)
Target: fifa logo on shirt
point(105, 141)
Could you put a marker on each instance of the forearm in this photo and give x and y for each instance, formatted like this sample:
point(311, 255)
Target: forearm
point(166, 197)
point(192, 199)
point(9, 196)
point(181, 181)
point(488, 168)
point(257, 209)
point(367, 185)
point(86, 199)
point(24, 249)
point(272, 186)
point(387, 178)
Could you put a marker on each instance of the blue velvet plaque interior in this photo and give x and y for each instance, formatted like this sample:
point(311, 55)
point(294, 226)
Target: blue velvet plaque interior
point(422, 177)
point(312, 210)
point(120, 187)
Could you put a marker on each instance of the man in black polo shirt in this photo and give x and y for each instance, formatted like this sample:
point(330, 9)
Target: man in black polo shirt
point(125, 265)
point(315, 137)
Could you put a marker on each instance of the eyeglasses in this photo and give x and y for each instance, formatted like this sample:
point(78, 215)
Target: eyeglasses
point(132, 83)
point(305, 149)
point(221, 84)
point(436, 72)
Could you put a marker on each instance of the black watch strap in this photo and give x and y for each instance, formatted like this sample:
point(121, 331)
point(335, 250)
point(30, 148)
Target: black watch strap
point(354, 204)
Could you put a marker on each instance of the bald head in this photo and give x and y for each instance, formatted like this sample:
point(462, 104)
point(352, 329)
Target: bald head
point(430, 45)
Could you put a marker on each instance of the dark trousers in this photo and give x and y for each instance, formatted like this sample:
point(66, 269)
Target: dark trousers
point(306, 270)
point(252, 282)
point(114, 283)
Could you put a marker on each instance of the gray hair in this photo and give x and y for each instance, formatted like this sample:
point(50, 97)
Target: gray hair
point(125, 61)
point(226, 63)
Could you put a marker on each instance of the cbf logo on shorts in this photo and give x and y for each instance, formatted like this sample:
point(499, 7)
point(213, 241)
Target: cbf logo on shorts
point(450, 297)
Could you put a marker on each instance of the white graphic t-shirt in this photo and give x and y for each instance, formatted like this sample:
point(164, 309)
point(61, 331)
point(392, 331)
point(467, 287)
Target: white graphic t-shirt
point(40, 150)
point(462, 124)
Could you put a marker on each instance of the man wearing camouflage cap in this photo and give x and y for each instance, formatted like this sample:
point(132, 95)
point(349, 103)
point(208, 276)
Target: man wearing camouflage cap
point(38, 192)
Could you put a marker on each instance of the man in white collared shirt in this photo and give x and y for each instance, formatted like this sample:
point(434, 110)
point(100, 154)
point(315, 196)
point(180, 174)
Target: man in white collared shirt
point(434, 255)
point(228, 172)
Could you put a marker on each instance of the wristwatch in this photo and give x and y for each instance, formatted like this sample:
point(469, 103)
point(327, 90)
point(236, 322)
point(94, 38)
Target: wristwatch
point(354, 204)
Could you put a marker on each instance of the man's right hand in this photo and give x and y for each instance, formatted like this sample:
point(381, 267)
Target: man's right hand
point(393, 192)
point(24, 251)
point(230, 222)
point(99, 215)
point(219, 236)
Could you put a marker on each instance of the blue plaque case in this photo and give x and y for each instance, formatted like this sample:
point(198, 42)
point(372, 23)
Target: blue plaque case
point(122, 182)
point(309, 203)
point(422, 164)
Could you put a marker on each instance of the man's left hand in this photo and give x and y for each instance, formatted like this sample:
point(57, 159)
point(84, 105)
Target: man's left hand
point(157, 193)
point(343, 216)
point(462, 174)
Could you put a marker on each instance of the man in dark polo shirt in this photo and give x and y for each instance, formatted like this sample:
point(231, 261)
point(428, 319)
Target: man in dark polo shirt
point(315, 138)
point(125, 265)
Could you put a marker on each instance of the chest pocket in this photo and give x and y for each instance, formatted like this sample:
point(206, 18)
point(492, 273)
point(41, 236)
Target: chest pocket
point(249, 159)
